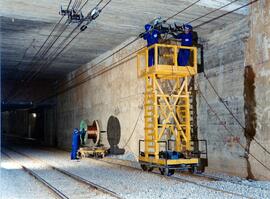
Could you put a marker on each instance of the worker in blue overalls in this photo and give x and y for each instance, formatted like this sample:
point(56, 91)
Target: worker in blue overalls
point(151, 36)
point(186, 40)
point(75, 143)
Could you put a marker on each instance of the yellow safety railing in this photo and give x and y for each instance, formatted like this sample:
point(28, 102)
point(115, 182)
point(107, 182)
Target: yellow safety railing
point(165, 60)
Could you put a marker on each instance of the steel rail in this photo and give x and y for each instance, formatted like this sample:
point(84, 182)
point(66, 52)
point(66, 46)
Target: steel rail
point(53, 189)
point(71, 175)
point(179, 179)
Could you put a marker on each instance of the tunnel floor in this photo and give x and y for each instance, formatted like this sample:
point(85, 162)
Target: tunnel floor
point(111, 180)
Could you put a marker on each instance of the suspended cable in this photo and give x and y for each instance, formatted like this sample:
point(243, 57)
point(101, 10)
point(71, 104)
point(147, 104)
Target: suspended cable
point(62, 43)
point(65, 82)
point(47, 49)
point(75, 35)
point(131, 42)
point(212, 11)
point(231, 113)
point(224, 125)
point(247, 151)
point(90, 77)
point(213, 19)
point(182, 10)
point(58, 36)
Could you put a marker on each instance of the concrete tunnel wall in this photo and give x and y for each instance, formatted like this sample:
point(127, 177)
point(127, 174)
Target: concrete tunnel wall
point(111, 90)
point(116, 90)
point(258, 58)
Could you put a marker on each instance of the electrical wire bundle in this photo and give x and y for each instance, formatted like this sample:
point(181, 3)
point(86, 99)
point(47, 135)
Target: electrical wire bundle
point(54, 45)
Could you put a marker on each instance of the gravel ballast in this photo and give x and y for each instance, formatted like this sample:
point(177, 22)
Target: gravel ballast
point(16, 183)
point(131, 183)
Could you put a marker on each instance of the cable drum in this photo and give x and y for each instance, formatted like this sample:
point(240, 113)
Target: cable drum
point(92, 134)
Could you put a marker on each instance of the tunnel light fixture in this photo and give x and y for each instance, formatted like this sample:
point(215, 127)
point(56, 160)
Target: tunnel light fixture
point(34, 115)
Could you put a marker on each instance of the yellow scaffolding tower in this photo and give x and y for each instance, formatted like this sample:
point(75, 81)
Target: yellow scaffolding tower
point(166, 106)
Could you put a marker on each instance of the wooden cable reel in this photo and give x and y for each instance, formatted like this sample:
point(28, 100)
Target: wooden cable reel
point(92, 134)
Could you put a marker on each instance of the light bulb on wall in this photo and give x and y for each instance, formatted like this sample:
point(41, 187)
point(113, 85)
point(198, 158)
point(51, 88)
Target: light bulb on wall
point(34, 115)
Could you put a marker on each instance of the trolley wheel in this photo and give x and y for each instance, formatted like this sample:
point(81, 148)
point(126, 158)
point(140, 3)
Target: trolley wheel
point(144, 167)
point(79, 155)
point(193, 169)
point(150, 169)
point(166, 171)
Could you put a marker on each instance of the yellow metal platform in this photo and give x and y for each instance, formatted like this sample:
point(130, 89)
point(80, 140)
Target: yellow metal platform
point(166, 104)
point(165, 64)
point(169, 162)
point(99, 152)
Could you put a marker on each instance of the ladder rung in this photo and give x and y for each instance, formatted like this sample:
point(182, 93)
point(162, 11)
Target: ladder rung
point(166, 124)
point(149, 104)
point(148, 128)
point(151, 153)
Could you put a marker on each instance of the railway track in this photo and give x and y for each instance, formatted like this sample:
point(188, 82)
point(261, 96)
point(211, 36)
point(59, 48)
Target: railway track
point(231, 181)
point(184, 180)
point(201, 180)
point(61, 183)
point(202, 176)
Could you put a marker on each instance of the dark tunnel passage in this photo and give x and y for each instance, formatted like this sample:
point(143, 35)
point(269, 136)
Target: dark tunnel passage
point(28, 125)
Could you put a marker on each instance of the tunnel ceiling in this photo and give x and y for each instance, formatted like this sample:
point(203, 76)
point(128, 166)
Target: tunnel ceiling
point(25, 25)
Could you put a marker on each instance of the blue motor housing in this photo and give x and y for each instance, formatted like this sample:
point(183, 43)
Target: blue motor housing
point(170, 155)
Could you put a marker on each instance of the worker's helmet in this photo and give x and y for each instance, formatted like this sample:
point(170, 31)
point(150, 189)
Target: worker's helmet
point(187, 26)
point(147, 27)
point(76, 130)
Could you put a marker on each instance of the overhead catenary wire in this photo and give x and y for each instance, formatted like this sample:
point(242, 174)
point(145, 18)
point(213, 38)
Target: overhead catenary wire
point(231, 113)
point(220, 99)
point(128, 44)
point(62, 43)
point(223, 15)
point(55, 26)
point(189, 6)
point(36, 54)
point(55, 40)
point(182, 10)
point(107, 57)
point(226, 128)
point(212, 11)
point(210, 83)
point(55, 56)
point(111, 66)
point(120, 48)
point(224, 125)
point(29, 77)
point(65, 82)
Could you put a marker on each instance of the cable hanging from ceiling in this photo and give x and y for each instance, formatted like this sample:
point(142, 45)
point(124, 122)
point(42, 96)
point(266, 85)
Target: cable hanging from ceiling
point(128, 44)
point(134, 40)
point(92, 15)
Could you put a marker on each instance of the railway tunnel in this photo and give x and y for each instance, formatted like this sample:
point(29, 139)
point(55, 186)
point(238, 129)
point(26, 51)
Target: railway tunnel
point(91, 108)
